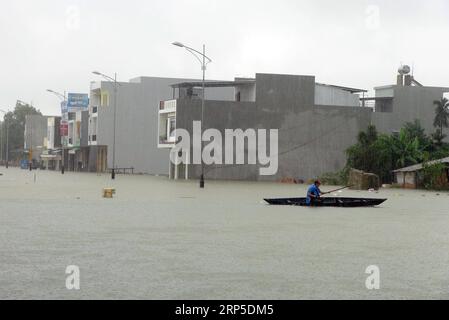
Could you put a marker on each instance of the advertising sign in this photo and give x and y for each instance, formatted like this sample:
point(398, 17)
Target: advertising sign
point(77, 102)
point(64, 129)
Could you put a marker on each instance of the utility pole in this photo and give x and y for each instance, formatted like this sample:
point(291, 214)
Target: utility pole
point(203, 62)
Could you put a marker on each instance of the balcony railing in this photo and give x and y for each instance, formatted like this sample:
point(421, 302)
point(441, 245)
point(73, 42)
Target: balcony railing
point(167, 106)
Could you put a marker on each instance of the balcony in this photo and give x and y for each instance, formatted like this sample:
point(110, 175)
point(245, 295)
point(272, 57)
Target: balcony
point(167, 106)
point(167, 124)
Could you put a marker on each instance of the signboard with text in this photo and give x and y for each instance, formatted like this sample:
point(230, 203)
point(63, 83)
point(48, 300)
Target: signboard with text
point(77, 102)
point(64, 129)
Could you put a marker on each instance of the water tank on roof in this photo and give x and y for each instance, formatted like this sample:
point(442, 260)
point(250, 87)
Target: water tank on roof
point(404, 69)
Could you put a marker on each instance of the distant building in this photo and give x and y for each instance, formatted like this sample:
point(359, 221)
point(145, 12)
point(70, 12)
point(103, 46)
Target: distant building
point(35, 135)
point(136, 125)
point(316, 122)
point(76, 156)
point(411, 177)
point(407, 100)
point(51, 153)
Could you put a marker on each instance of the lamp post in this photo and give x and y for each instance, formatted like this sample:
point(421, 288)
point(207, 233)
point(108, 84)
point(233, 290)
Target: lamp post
point(64, 100)
point(7, 139)
point(203, 63)
point(115, 115)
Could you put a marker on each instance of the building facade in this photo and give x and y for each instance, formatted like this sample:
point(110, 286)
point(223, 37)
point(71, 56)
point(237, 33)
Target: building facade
point(136, 127)
point(316, 122)
point(35, 135)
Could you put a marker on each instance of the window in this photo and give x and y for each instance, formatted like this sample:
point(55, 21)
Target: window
point(104, 99)
point(171, 129)
point(238, 96)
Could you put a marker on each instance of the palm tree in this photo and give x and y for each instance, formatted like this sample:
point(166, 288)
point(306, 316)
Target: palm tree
point(441, 114)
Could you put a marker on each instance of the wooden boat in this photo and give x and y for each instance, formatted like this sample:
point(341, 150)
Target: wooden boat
point(328, 202)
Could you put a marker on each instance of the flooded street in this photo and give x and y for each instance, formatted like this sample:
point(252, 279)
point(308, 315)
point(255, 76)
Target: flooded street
point(159, 239)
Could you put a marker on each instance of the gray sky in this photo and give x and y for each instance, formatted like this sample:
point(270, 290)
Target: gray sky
point(57, 44)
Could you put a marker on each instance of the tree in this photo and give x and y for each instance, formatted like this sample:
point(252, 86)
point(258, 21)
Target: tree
point(372, 153)
point(438, 136)
point(441, 114)
point(16, 124)
point(406, 150)
point(415, 130)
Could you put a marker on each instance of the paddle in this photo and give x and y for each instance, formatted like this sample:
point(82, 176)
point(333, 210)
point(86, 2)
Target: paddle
point(336, 190)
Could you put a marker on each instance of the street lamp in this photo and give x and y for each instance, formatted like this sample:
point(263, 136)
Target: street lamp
point(203, 63)
point(64, 100)
point(115, 115)
point(7, 138)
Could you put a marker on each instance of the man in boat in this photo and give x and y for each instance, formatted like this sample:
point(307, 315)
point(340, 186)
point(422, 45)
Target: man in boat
point(313, 193)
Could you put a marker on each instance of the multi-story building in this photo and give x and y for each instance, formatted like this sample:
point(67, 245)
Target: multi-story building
point(35, 135)
point(316, 123)
point(136, 127)
point(51, 154)
point(77, 141)
point(407, 100)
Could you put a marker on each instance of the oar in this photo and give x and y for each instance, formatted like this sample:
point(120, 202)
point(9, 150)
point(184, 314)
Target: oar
point(336, 190)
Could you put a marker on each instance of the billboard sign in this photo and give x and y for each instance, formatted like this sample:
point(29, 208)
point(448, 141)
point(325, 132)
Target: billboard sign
point(77, 102)
point(64, 129)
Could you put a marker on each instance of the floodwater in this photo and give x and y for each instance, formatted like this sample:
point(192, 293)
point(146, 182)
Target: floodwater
point(159, 239)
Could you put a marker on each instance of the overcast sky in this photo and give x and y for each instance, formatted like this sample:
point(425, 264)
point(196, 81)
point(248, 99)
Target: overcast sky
point(57, 44)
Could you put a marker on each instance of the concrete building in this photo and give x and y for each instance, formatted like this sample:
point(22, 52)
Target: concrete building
point(316, 122)
point(35, 135)
point(136, 125)
point(51, 153)
point(403, 102)
point(76, 153)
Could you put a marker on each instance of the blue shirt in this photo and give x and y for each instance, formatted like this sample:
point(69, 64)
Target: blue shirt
point(313, 189)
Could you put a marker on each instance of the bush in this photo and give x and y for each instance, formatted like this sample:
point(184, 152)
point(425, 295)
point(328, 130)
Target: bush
point(434, 176)
point(338, 178)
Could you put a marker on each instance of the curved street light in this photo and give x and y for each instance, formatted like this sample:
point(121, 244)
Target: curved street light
point(202, 59)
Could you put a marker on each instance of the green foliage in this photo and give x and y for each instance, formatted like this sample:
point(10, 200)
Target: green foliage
point(372, 153)
point(434, 176)
point(15, 121)
point(415, 130)
point(338, 178)
point(437, 137)
point(382, 153)
point(406, 150)
point(441, 114)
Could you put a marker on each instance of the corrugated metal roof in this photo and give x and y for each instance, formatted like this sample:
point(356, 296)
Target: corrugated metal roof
point(211, 84)
point(351, 90)
point(417, 167)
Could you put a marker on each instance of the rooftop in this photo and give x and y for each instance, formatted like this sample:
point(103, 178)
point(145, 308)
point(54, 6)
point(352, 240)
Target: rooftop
point(214, 84)
point(418, 167)
point(349, 89)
